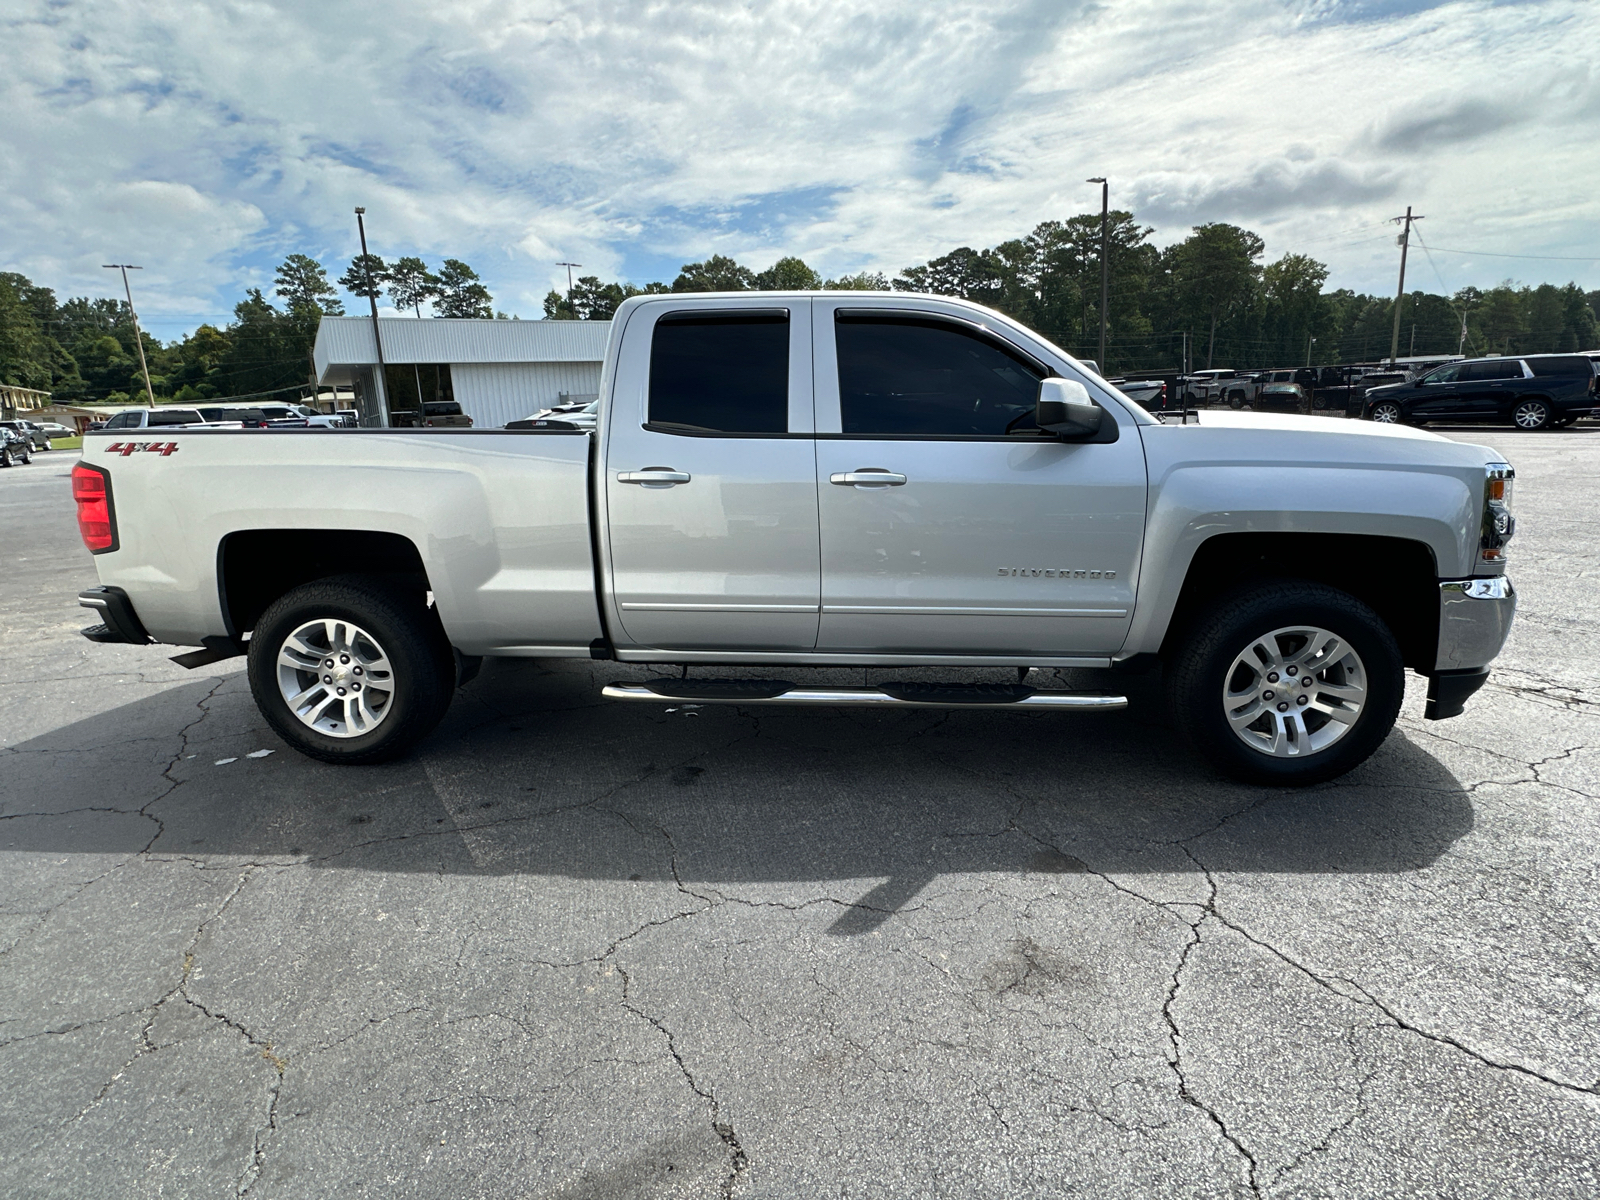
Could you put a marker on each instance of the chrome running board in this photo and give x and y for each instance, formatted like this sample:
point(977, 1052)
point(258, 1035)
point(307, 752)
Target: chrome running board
point(902, 695)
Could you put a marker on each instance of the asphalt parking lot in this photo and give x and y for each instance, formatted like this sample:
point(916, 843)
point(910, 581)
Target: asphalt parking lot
point(573, 948)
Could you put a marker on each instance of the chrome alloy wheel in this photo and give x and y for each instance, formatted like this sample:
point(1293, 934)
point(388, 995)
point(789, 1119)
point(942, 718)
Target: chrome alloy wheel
point(1531, 414)
point(1386, 414)
point(335, 678)
point(1294, 692)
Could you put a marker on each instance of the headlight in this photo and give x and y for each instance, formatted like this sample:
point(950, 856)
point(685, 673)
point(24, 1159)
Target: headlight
point(1498, 523)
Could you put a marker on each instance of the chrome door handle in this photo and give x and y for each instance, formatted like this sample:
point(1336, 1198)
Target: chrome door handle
point(867, 477)
point(654, 477)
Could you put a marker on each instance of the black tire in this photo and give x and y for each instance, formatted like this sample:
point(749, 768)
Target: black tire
point(1531, 414)
point(1200, 671)
point(407, 631)
point(1236, 400)
point(27, 455)
point(6, 459)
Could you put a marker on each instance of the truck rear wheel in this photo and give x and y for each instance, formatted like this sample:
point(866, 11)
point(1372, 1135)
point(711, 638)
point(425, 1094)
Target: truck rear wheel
point(351, 669)
point(1287, 683)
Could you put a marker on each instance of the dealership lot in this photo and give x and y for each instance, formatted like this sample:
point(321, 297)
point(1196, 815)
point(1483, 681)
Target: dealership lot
point(577, 948)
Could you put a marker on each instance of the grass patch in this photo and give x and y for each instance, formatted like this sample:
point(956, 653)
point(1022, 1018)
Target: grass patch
point(67, 443)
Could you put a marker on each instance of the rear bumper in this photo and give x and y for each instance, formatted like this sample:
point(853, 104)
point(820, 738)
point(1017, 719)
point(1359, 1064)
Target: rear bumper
point(121, 623)
point(1474, 621)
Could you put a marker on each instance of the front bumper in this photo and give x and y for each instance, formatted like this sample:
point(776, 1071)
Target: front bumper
point(1474, 621)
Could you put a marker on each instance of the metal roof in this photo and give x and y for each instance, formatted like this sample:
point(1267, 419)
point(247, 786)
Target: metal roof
point(347, 341)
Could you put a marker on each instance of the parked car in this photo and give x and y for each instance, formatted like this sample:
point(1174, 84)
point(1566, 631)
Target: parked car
point(349, 418)
point(154, 418)
point(559, 416)
point(928, 483)
point(54, 429)
point(1533, 391)
point(38, 439)
point(1281, 397)
point(15, 448)
point(1218, 385)
point(1149, 394)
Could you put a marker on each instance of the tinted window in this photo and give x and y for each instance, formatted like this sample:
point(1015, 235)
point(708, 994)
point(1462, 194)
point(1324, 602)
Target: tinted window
point(443, 408)
point(1575, 365)
point(904, 375)
point(174, 416)
point(1443, 375)
point(720, 373)
point(1496, 368)
point(122, 421)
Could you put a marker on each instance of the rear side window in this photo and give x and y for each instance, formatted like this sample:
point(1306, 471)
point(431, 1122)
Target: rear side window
point(123, 421)
point(1563, 365)
point(1496, 368)
point(913, 375)
point(441, 408)
point(720, 373)
point(174, 416)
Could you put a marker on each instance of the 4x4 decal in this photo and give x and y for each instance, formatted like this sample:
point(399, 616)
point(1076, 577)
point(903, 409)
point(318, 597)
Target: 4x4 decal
point(126, 448)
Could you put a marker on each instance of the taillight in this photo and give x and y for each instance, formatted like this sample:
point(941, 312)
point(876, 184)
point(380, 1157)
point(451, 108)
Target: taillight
point(97, 524)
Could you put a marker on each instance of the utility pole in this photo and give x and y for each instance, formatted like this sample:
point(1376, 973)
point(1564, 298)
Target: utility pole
point(377, 338)
point(138, 339)
point(1461, 345)
point(569, 267)
point(1405, 244)
point(1105, 267)
point(1310, 342)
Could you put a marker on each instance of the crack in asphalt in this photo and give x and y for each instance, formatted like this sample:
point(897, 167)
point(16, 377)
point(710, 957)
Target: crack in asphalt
point(739, 1162)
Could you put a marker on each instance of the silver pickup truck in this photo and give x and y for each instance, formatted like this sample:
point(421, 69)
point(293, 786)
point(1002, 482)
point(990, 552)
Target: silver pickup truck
point(781, 481)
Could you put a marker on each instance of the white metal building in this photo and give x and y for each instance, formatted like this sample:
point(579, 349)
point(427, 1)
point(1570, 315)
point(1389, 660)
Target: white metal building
point(498, 371)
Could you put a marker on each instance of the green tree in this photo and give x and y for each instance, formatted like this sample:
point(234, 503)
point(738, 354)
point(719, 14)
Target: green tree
point(1216, 273)
point(716, 274)
point(863, 281)
point(366, 276)
point(461, 293)
point(411, 284)
point(25, 358)
point(788, 275)
point(302, 283)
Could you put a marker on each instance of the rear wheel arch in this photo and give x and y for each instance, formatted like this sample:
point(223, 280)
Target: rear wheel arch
point(255, 567)
point(1396, 577)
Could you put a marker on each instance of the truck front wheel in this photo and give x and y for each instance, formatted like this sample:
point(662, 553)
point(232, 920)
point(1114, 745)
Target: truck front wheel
point(1287, 683)
point(351, 669)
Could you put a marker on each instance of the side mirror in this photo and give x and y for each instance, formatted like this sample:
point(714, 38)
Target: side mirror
point(1416, 383)
point(1064, 409)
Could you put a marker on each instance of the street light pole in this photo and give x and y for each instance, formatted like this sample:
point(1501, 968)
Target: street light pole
point(138, 340)
point(377, 338)
point(569, 267)
point(1105, 266)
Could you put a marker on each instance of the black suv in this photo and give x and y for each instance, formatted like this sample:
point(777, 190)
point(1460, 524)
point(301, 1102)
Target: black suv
point(1534, 391)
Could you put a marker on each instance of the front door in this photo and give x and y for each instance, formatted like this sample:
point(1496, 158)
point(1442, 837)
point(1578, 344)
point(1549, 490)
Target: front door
point(950, 525)
point(1438, 395)
point(710, 478)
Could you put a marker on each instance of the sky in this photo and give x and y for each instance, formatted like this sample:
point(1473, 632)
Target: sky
point(205, 141)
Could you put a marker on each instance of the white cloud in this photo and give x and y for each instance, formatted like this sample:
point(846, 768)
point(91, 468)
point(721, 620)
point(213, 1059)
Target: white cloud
point(208, 140)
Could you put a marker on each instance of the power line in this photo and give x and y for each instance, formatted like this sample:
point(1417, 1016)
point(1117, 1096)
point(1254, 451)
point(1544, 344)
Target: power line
point(1539, 257)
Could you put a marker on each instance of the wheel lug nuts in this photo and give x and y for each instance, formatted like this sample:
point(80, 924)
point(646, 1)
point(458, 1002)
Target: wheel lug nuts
point(1272, 678)
point(358, 670)
point(1294, 670)
point(1267, 695)
point(344, 658)
point(327, 679)
point(1306, 681)
point(1302, 699)
point(356, 687)
point(341, 691)
point(1283, 707)
point(329, 663)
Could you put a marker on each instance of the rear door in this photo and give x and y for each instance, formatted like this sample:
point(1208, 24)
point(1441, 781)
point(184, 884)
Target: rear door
point(942, 532)
point(710, 478)
point(1487, 388)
